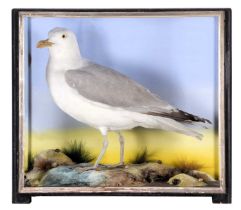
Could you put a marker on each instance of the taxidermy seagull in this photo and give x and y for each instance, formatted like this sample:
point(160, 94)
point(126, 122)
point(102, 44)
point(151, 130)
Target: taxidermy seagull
point(103, 98)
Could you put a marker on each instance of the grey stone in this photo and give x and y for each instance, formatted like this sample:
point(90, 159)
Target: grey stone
point(67, 176)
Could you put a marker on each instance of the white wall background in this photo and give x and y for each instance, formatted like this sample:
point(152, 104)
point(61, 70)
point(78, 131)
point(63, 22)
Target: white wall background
point(113, 202)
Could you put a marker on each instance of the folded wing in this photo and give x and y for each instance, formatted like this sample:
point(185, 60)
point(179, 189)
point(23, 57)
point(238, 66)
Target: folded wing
point(106, 86)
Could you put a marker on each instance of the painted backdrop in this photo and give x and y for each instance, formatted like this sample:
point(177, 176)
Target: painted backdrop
point(176, 58)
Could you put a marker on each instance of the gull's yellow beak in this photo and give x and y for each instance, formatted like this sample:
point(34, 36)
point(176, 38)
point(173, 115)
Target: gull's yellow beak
point(44, 43)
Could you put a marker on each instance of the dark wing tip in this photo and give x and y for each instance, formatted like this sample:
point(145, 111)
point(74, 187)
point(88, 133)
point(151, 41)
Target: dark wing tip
point(185, 116)
point(181, 116)
point(208, 121)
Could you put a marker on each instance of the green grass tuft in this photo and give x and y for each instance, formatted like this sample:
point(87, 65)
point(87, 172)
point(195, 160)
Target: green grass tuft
point(142, 157)
point(185, 165)
point(30, 163)
point(77, 152)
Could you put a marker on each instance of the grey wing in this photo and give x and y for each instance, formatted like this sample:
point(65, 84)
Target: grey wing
point(106, 86)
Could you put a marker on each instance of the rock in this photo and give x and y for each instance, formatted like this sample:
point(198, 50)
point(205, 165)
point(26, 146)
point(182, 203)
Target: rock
point(151, 172)
point(119, 178)
point(201, 175)
point(209, 180)
point(32, 178)
point(184, 180)
point(82, 165)
point(43, 162)
point(51, 159)
point(67, 176)
point(131, 175)
point(54, 169)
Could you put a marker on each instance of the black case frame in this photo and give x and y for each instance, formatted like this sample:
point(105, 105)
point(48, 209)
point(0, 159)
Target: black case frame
point(18, 197)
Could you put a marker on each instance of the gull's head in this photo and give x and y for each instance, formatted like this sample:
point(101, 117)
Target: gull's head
point(61, 43)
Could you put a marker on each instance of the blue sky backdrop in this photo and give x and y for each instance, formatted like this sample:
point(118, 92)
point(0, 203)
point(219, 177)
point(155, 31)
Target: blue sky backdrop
point(176, 58)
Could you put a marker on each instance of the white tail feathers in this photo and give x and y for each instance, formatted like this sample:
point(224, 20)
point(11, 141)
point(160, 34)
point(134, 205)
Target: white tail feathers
point(171, 125)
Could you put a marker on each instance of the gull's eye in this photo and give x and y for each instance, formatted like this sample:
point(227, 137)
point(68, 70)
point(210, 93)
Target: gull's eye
point(63, 36)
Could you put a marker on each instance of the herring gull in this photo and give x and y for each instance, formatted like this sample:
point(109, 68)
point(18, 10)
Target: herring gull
point(106, 99)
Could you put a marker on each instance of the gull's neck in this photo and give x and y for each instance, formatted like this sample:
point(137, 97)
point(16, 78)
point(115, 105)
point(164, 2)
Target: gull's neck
point(65, 60)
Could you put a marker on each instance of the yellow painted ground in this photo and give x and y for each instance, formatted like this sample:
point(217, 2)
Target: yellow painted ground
point(168, 147)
